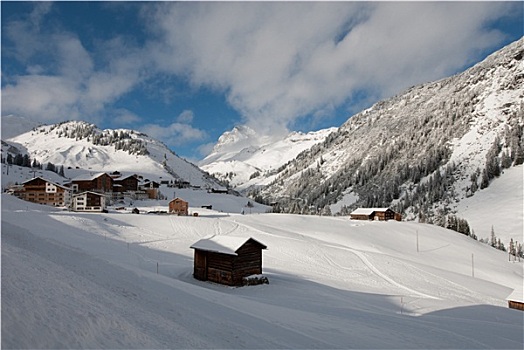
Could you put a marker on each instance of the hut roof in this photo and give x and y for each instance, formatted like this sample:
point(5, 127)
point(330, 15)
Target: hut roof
point(177, 199)
point(517, 294)
point(87, 177)
point(82, 193)
point(367, 211)
point(223, 244)
point(45, 180)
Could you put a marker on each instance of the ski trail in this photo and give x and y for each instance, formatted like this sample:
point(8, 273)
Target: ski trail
point(366, 262)
point(373, 268)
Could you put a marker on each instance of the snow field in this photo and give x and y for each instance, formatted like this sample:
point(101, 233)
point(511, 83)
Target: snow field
point(90, 280)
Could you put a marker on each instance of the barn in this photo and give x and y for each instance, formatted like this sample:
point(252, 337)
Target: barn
point(382, 214)
point(227, 260)
point(516, 299)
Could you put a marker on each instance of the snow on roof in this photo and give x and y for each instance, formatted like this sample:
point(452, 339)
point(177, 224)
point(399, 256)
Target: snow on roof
point(123, 176)
point(223, 244)
point(82, 193)
point(87, 177)
point(366, 211)
point(46, 180)
point(517, 294)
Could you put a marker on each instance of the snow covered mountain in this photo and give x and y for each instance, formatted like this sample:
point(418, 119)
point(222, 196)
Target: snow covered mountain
point(244, 158)
point(80, 146)
point(421, 151)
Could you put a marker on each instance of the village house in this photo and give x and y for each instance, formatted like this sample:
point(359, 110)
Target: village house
point(42, 191)
point(89, 201)
point(179, 207)
point(100, 182)
point(151, 188)
point(227, 260)
point(127, 183)
point(381, 214)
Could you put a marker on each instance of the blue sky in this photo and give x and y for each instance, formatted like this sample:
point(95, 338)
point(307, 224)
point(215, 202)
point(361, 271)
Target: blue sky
point(187, 72)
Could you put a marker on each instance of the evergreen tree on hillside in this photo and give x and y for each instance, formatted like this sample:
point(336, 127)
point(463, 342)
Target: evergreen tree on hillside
point(493, 238)
point(51, 167)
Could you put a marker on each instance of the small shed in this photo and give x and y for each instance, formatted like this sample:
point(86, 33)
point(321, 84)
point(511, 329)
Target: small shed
point(179, 206)
point(227, 259)
point(516, 299)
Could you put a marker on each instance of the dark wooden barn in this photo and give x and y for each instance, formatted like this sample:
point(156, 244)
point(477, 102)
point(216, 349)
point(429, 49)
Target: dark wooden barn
point(382, 214)
point(227, 260)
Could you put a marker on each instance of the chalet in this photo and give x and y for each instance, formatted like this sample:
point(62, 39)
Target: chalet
point(381, 214)
point(89, 201)
point(42, 191)
point(516, 299)
point(219, 190)
point(100, 182)
point(151, 188)
point(179, 207)
point(127, 183)
point(227, 260)
point(148, 184)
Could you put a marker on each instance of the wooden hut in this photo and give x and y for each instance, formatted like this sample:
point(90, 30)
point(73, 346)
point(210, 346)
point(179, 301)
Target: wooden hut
point(516, 299)
point(227, 260)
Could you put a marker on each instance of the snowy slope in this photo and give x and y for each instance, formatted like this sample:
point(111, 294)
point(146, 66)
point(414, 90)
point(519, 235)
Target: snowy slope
point(51, 143)
point(73, 280)
point(501, 205)
point(245, 158)
point(416, 151)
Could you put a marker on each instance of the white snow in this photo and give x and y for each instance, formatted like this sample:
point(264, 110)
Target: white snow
point(221, 244)
point(79, 156)
point(243, 152)
point(500, 205)
point(120, 280)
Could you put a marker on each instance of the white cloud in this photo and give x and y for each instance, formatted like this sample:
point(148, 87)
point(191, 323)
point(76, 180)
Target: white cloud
point(122, 116)
point(276, 62)
point(279, 61)
point(186, 117)
point(174, 134)
point(65, 84)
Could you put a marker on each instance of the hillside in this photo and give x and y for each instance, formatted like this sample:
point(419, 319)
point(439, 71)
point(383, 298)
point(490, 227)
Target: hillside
point(421, 152)
point(244, 158)
point(72, 280)
point(80, 145)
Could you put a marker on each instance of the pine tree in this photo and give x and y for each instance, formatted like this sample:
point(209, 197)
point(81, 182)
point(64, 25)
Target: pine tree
point(485, 180)
point(493, 239)
point(519, 156)
point(51, 167)
point(500, 245)
point(505, 161)
point(511, 249)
